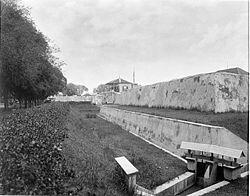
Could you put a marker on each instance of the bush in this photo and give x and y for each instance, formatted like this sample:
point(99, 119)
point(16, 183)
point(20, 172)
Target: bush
point(119, 179)
point(31, 150)
point(88, 115)
point(147, 170)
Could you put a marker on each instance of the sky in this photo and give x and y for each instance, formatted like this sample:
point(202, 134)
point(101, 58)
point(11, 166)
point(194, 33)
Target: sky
point(101, 40)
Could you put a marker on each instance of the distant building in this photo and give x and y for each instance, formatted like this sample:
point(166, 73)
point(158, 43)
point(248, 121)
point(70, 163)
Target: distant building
point(120, 85)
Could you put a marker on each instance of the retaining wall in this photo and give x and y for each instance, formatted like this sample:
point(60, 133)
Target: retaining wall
point(169, 133)
point(218, 92)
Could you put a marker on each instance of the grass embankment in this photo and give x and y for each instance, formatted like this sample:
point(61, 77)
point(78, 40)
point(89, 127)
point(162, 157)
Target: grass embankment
point(237, 187)
point(32, 162)
point(93, 144)
point(236, 122)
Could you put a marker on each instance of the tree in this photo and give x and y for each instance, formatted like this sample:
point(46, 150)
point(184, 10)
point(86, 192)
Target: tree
point(28, 71)
point(72, 89)
point(81, 89)
point(102, 88)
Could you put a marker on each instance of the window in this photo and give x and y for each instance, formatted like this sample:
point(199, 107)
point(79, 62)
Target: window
point(124, 88)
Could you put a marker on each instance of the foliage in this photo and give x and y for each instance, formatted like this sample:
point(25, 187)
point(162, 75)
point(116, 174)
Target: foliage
point(72, 89)
point(89, 115)
point(102, 88)
point(28, 71)
point(147, 171)
point(31, 145)
point(239, 186)
point(93, 145)
point(119, 178)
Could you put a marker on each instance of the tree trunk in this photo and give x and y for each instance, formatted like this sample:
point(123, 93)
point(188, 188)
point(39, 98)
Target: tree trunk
point(6, 102)
point(25, 103)
point(20, 103)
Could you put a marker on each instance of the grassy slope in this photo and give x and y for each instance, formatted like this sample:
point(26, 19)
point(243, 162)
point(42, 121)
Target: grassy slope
point(235, 122)
point(238, 187)
point(93, 144)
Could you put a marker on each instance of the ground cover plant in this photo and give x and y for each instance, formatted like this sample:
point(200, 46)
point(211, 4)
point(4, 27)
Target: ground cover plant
point(31, 144)
point(92, 145)
point(236, 122)
point(237, 187)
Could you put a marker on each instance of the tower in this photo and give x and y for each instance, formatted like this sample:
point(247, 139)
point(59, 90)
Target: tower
point(134, 75)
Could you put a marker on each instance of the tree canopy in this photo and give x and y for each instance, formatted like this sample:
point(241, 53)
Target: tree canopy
point(28, 71)
point(102, 88)
point(72, 89)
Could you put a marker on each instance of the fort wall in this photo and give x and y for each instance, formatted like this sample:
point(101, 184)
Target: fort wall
point(217, 92)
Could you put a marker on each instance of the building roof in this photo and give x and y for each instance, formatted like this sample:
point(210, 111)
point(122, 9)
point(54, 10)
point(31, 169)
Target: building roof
point(118, 81)
point(229, 152)
point(235, 70)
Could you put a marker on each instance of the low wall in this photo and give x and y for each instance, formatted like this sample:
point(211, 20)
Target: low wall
point(172, 187)
point(177, 185)
point(218, 92)
point(73, 98)
point(169, 133)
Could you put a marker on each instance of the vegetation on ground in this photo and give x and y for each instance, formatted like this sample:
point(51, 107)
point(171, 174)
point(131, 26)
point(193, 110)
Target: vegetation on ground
point(236, 122)
point(237, 187)
point(64, 148)
point(31, 151)
point(92, 145)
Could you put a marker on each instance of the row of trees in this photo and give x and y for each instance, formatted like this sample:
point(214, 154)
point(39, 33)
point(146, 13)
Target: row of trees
point(73, 89)
point(102, 88)
point(28, 69)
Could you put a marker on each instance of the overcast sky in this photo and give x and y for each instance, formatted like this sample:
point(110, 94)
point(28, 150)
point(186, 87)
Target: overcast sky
point(101, 40)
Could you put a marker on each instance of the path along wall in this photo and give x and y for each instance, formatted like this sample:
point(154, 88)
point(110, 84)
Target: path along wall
point(169, 133)
point(218, 92)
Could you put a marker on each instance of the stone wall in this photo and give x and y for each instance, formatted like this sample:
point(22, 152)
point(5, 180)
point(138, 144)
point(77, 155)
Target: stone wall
point(169, 133)
point(104, 98)
point(73, 98)
point(231, 92)
point(218, 92)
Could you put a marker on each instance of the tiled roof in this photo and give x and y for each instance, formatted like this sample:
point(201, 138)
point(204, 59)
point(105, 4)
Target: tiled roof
point(234, 153)
point(118, 81)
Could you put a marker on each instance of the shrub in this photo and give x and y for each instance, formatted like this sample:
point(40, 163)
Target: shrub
point(119, 179)
point(147, 170)
point(88, 115)
point(31, 150)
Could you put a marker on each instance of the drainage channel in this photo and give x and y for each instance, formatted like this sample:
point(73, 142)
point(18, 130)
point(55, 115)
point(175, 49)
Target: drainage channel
point(195, 188)
point(191, 190)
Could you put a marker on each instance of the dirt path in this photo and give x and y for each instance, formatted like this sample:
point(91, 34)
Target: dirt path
point(93, 144)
